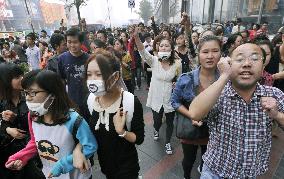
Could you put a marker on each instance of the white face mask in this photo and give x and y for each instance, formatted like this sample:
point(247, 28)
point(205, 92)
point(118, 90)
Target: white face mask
point(97, 87)
point(38, 108)
point(164, 55)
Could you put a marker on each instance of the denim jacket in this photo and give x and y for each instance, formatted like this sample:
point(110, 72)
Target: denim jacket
point(186, 88)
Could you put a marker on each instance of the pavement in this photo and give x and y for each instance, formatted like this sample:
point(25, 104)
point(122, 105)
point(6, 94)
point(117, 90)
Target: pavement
point(156, 164)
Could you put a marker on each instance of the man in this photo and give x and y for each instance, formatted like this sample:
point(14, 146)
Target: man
point(71, 66)
point(102, 35)
point(239, 114)
point(263, 29)
point(238, 28)
point(44, 37)
point(58, 43)
point(32, 52)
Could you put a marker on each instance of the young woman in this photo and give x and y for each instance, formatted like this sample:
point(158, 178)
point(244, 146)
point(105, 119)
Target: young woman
point(165, 70)
point(125, 59)
point(124, 38)
point(116, 118)
point(188, 86)
point(233, 42)
point(13, 122)
point(54, 126)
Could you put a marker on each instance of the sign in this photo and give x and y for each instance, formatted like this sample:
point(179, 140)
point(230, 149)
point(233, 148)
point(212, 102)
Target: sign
point(131, 4)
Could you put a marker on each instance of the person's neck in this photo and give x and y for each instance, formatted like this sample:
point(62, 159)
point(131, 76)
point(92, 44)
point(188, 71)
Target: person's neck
point(31, 45)
point(208, 72)
point(110, 97)
point(246, 94)
point(76, 54)
point(181, 48)
point(47, 118)
point(16, 97)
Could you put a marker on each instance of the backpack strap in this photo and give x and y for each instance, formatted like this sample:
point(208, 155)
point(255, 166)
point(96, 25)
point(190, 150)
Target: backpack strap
point(76, 125)
point(128, 105)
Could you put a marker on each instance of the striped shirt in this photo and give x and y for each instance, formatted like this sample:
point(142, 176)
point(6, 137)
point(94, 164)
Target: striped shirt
point(240, 133)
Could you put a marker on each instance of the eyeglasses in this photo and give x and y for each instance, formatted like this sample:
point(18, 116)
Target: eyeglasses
point(253, 58)
point(32, 93)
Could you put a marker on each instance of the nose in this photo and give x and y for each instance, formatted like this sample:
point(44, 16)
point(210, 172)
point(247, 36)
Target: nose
point(210, 55)
point(247, 63)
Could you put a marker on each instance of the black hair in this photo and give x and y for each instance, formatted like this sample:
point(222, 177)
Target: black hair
point(31, 36)
point(75, 32)
point(208, 38)
point(43, 43)
point(107, 62)
point(102, 32)
point(56, 39)
point(146, 35)
point(43, 31)
point(277, 39)
point(126, 34)
point(52, 84)
point(8, 72)
point(172, 57)
point(121, 42)
point(259, 42)
point(99, 43)
point(231, 40)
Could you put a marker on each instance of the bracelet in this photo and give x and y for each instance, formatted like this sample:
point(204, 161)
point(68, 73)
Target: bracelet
point(123, 135)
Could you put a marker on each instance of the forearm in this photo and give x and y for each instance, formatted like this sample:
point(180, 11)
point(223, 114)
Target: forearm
point(204, 102)
point(130, 137)
point(280, 119)
point(184, 111)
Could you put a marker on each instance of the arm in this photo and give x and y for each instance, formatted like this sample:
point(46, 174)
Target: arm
point(278, 76)
point(154, 27)
point(89, 146)
point(29, 151)
point(204, 102)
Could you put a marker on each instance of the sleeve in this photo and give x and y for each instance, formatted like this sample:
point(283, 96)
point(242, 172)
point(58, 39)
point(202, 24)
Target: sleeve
point(177, 94)
point(148, 57)
point(29, 151)
point(279, 96)
point(89, 144)
point(137, 123)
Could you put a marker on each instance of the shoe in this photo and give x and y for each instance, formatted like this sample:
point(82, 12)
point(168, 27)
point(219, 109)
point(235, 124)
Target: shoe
point(169, 149)
point(156, 135)
point(198, 169)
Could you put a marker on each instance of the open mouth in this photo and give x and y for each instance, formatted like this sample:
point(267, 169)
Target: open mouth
point(246, 74)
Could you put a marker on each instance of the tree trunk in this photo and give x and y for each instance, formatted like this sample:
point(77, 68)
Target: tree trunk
point(79, 14)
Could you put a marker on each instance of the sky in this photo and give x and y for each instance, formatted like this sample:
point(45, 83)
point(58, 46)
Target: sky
point(96, 10)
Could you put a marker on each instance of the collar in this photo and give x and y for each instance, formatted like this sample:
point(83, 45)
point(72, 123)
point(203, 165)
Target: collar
point(196, 79)
point(260, 91)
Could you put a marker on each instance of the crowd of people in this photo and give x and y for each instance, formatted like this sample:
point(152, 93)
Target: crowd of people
point(66, 97)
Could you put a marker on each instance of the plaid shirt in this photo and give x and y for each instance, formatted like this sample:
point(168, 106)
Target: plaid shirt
point(240, 133)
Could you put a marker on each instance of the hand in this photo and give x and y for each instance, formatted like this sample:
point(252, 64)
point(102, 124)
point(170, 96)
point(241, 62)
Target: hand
point(50, 175)
point(185, 19)
point(8, 115)
point(134, 31)
point(79, 159)
point(16, 133)
point(269, 105)
point(152, 18)
point(15, 165)
point(224, 66)
point(197, 123)
point(119, 120)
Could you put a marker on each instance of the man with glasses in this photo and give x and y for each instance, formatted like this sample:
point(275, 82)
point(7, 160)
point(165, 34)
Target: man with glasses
point(240, 113)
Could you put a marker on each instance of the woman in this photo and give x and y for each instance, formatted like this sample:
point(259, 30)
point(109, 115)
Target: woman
point(165, 71)
point(45, 54)
point(125, 59)
point(190, 85)
point(13, 122)
point(96, 44)
point(233, 42)
point(54, 126)
point(8, 55)
point(252, 32)
point(117, 131)
point(124, 38)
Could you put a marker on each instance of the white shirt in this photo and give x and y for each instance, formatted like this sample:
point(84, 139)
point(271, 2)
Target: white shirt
point(235, 29)
point(33, 56)
point(161, 82)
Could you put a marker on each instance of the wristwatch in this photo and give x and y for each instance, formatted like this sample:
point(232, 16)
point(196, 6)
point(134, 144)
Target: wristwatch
point(123, 135)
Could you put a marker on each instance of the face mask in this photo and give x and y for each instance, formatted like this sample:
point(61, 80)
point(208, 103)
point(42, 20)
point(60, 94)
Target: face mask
point(164, 55)
point(38, 108)
point(97, 87)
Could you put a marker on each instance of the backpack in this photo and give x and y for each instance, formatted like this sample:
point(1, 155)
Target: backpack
point(127, 103)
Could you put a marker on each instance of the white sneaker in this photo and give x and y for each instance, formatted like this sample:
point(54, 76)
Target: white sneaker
point(156, 135)
point(169, 149)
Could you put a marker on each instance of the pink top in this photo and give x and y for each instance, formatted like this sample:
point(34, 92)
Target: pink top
point(29, 151)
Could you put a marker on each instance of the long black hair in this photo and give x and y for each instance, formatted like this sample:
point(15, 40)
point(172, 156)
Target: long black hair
point(8, 72)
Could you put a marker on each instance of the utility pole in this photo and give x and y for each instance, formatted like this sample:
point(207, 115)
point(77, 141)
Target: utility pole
point(30, 18)
point(108, 14)
point(260, 11)
point(221, 11)
point(203, 11)
point(191, 10)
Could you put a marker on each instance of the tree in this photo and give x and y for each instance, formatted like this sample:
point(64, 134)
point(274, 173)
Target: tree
point(145, 10)
point(77, 4)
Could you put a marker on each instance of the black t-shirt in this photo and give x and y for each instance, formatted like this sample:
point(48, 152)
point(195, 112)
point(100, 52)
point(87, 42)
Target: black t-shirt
point(71, 69)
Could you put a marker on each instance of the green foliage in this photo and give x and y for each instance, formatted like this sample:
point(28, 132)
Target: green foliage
point(24, 67)
point(145, 10)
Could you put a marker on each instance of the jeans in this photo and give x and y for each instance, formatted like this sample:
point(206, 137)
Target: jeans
point(136, 73)
point(169, 120)
point(189, 153)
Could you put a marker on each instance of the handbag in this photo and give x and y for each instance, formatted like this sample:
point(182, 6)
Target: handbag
point(185, 129)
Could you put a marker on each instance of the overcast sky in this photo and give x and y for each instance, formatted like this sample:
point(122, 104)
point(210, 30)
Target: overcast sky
point(96, 10)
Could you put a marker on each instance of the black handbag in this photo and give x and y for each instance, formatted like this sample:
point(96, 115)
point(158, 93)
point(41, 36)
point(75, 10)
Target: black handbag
point(185, 129)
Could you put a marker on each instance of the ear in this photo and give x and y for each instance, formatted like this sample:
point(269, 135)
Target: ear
point(56, 149)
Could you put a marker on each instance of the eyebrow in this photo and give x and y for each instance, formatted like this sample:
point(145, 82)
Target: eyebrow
point(253, 53)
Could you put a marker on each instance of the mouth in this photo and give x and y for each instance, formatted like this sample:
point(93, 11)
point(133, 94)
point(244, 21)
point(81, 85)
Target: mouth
point(246, 74)
point(210, 62)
